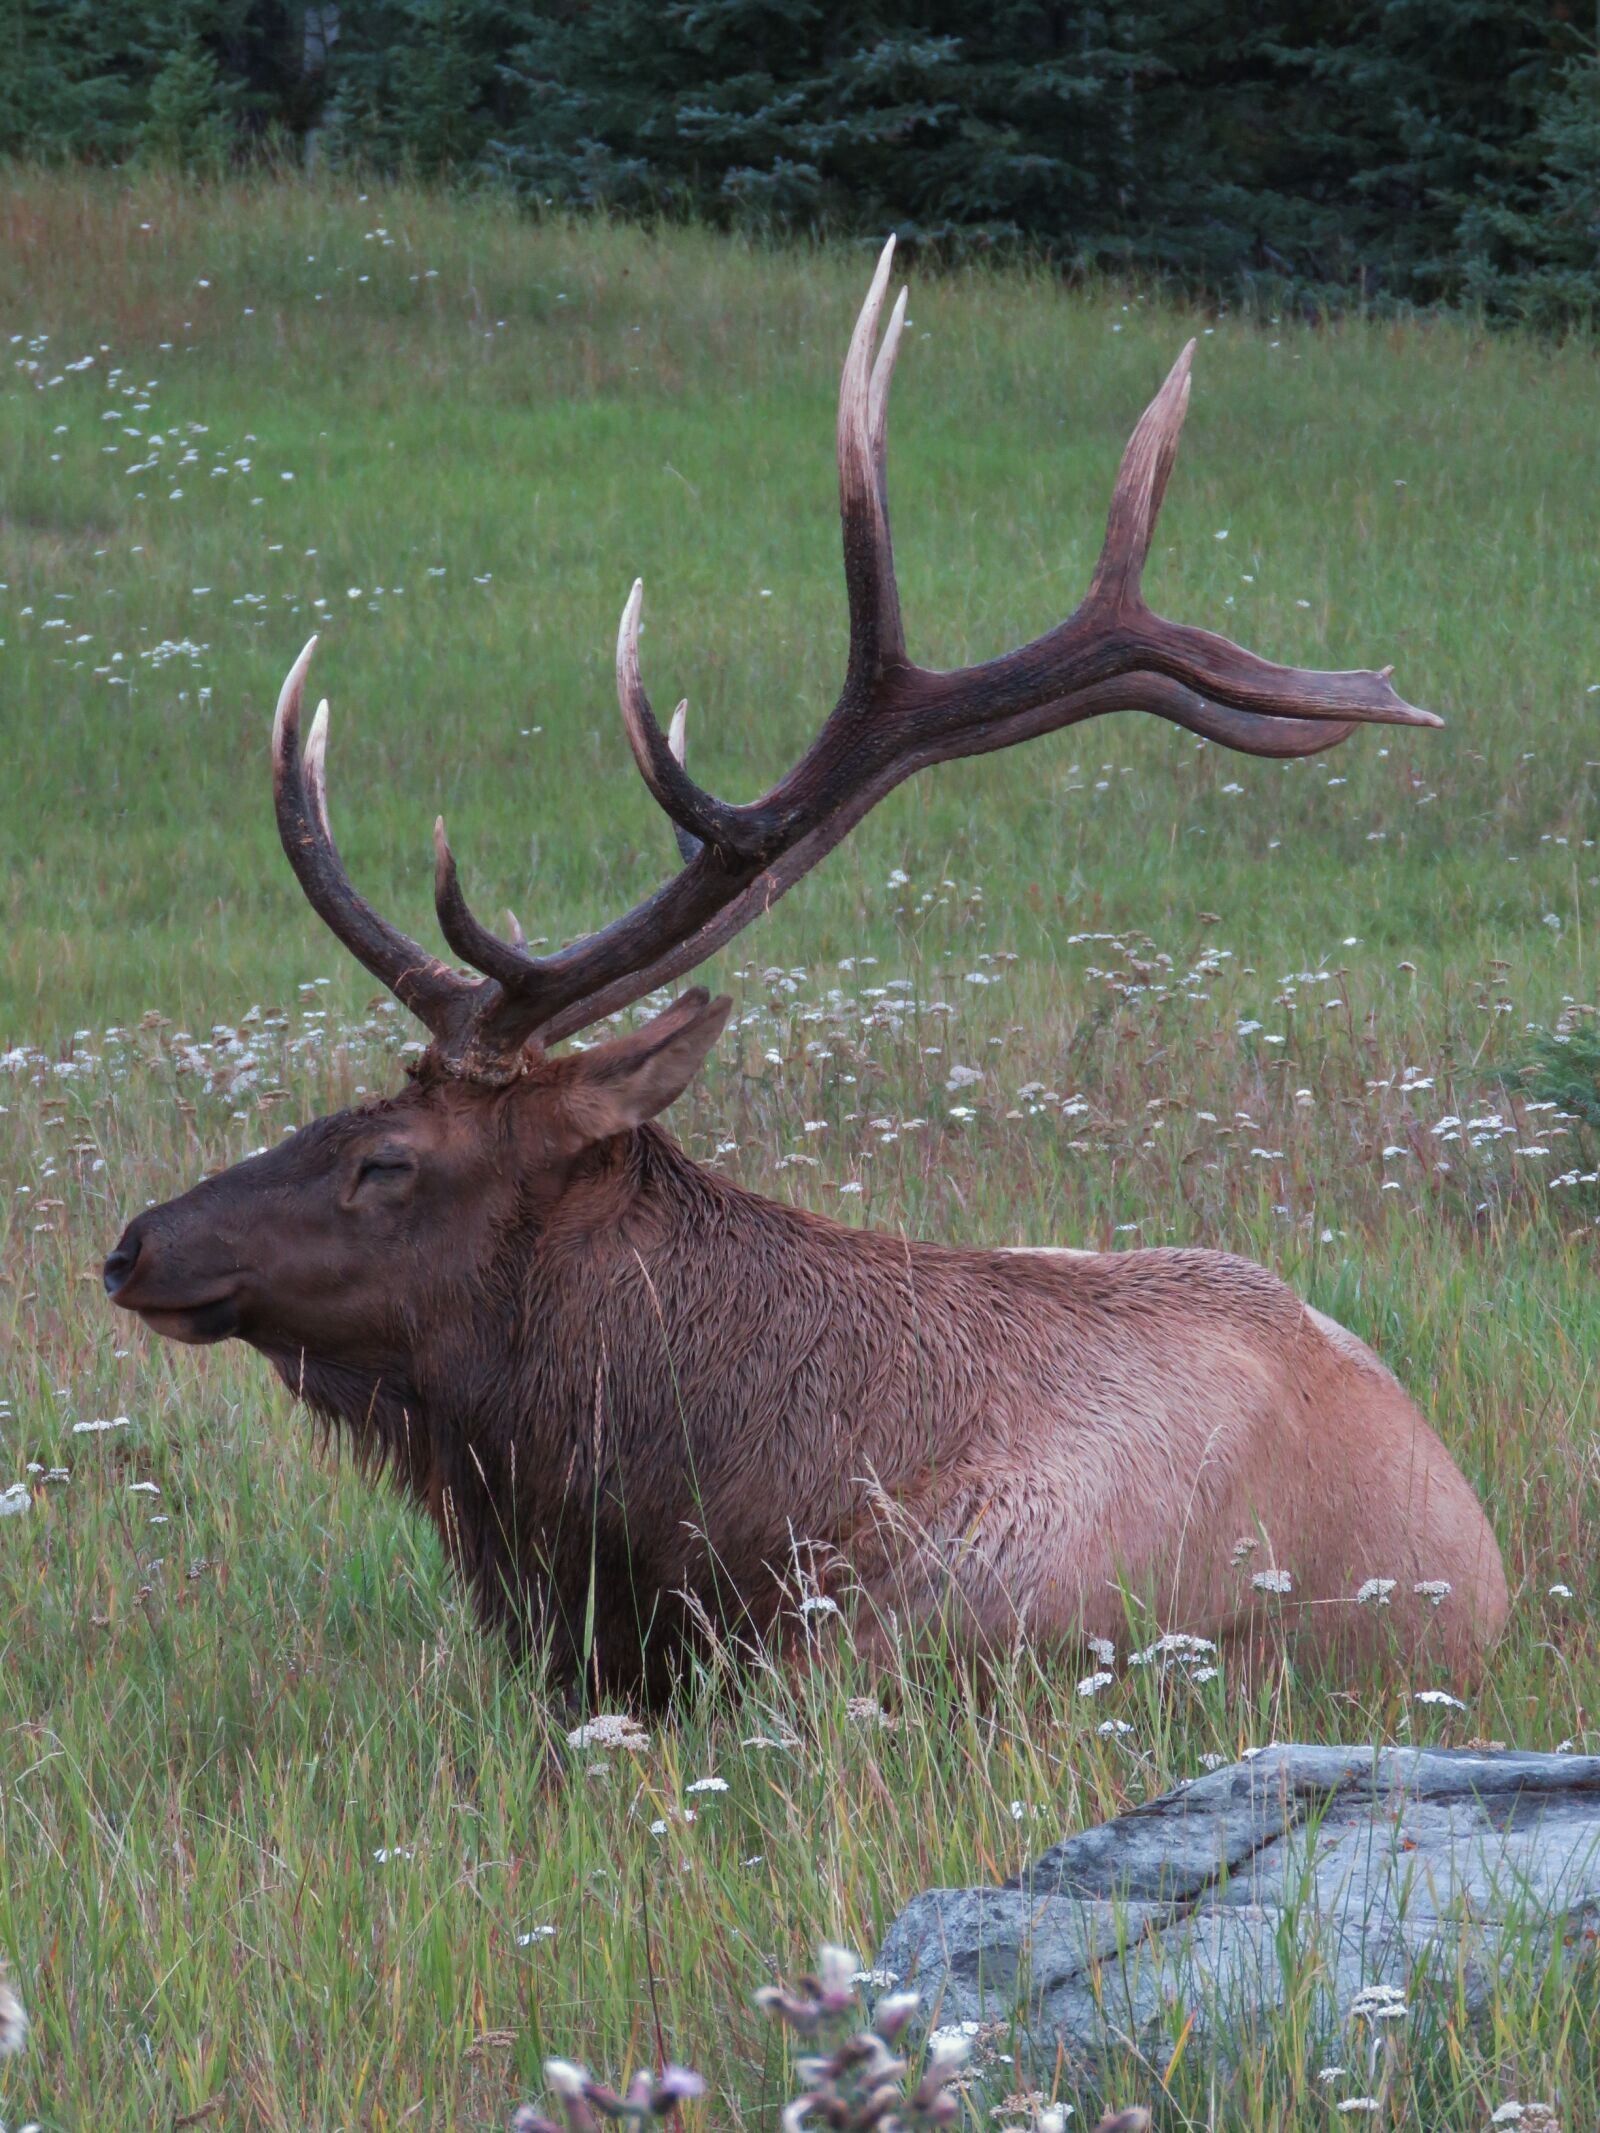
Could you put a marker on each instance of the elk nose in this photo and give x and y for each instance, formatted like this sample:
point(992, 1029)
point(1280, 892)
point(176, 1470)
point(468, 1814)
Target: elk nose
point(119, 1267)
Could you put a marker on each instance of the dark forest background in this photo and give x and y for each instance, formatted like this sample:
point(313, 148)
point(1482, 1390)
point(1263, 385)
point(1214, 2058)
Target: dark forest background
point(1396, 154)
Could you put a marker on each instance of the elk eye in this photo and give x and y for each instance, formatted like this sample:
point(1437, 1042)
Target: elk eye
point(386, 1169)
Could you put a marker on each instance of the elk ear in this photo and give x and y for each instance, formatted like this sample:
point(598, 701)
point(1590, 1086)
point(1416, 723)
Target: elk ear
point(619, 1085)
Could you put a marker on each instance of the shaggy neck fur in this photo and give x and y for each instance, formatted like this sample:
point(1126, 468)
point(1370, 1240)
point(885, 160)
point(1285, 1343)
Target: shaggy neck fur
point(662, 1385)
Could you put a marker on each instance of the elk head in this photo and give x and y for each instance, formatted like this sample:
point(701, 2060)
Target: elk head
point(342, 1246)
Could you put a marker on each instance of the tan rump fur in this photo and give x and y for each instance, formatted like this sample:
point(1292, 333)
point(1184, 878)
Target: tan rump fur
point(1171, 1424)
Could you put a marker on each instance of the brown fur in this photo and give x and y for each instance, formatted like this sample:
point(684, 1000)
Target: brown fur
point(612, 1379)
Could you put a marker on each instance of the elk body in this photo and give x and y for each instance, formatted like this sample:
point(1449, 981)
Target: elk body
point(627, 1391)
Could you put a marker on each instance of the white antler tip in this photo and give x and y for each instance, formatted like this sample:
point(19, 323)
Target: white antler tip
point(628, 628)
point(883, 370)
point(880, 280)
point(678, 731)
point(289, 695)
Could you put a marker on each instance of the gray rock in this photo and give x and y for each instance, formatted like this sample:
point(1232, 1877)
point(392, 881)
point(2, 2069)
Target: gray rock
point(1316, 1873)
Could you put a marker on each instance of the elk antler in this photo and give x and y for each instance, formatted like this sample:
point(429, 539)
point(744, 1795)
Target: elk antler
point(892, 718)
point(439, 997)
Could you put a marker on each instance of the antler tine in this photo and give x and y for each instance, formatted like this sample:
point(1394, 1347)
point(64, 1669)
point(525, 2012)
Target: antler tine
point(689, 847)
point(1142, 480)
point(314, 760)
point(1254, 733)
point(1245, 732)
point(438, 997)
point(506, 963)
point(1215, 668)
point(877, 638)
point(891, 628)
point(882, 379)
point(692, 812)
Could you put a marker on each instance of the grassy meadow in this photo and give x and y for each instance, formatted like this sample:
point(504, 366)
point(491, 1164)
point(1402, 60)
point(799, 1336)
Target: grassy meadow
point(284, 1843)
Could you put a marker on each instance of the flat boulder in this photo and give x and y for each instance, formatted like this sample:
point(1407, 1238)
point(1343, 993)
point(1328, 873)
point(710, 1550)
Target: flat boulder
point(1354, 1881)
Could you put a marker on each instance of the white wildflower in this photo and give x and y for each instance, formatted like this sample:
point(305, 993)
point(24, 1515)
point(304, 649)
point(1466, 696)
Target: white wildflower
point(867, 1711)
point(950, 2045)
point(1378, 2003)
point(1272, 1581)
point(13, 2022)
point(708, 1784)
point(1434, 1589)
point(1092, 1684)
point(1439, 1696)
point(1375, 1592)
point(15, 1500)
point(610, 1729)
point(1178, 1646)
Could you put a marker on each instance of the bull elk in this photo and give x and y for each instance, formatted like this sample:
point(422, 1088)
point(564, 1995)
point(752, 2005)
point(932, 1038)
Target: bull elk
point(623, 1388)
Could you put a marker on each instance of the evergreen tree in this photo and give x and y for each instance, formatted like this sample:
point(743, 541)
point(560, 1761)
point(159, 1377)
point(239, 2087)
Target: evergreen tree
point(418, 83)
point(954, 127)
point(185, 126)
point(1537, 259)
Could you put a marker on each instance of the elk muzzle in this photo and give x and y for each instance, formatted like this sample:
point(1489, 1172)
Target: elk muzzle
point(144, 1275)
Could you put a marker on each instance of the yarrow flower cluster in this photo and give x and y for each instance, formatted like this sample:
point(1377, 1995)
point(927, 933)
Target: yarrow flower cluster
point(610, 1729)
point(1176, 1644)
point(1378, 2003)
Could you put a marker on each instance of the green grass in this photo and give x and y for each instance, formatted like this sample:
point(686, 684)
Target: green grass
point(199, 1760)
